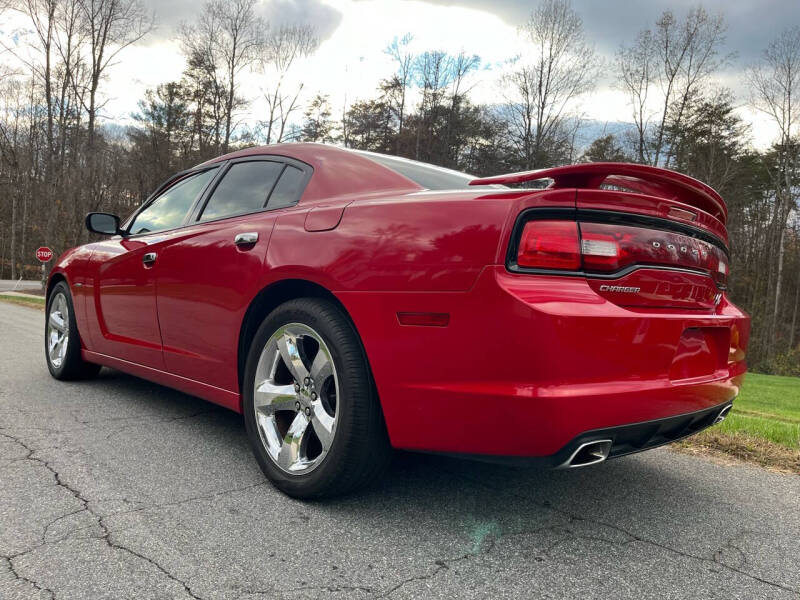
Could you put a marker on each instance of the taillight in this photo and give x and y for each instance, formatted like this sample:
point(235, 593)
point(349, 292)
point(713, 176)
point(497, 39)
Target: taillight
point(609, 248)
point(549, 245)
point(606, 248)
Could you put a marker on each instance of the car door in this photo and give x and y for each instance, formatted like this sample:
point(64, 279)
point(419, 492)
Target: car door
point(209, 273)
point(124, 267)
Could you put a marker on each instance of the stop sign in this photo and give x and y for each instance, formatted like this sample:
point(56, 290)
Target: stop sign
point(44, 254)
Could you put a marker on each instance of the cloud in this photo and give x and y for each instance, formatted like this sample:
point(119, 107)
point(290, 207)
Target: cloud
point(751, 25)
point(322, 17)
point(170, 14)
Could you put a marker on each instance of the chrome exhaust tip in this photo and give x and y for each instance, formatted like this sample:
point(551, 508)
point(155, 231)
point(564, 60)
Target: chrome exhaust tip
point(589, 453)
point(723, 413)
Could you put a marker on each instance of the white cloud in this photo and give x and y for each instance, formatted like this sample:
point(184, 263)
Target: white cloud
point(137, 69)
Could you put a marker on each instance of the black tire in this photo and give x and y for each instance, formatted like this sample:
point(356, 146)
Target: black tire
point(71, 365)
point(360, 450)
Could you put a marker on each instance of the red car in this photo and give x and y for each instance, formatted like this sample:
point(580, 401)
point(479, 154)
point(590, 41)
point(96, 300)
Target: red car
point(347, 302)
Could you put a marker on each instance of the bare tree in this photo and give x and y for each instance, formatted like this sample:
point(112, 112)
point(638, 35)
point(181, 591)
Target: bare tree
point(677, 57)
point(461, 66)
point(404, 59)
point(796, 309)
point(284, 47)
point(433, 73)
point(11, 163)
point(689, 54)
point(636, 64)
point(775, 82)
point(110, 26)
point(775, 85)
point(226, 38)
point(42, 14)
point(562, 66)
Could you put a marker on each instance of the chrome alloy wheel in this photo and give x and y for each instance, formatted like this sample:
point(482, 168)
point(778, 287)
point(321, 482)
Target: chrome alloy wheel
point(295, 397)
point(57, 330)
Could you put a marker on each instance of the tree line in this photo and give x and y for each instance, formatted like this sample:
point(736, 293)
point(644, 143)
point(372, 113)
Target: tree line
point(59, 158)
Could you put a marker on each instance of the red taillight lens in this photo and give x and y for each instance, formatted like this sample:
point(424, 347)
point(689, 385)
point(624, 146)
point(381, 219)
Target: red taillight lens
point(609, 248)
point(549, 245)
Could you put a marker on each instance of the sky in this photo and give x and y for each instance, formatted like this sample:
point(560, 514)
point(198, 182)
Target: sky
point(350, 60)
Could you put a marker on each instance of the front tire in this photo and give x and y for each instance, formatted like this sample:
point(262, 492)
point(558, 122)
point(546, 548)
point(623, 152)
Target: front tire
point(62, 343)
point(310, 407)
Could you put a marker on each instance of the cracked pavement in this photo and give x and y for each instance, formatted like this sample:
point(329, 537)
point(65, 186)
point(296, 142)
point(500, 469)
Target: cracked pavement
point(120, 488)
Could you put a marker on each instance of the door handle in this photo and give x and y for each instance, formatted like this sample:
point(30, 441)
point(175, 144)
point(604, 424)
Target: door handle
point(245, 239)
point(149, 258)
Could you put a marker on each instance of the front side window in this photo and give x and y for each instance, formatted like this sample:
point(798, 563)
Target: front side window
point(170, 208)
point(244, 188)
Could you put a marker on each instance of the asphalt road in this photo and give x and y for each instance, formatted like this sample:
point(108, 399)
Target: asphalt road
point(119, 488)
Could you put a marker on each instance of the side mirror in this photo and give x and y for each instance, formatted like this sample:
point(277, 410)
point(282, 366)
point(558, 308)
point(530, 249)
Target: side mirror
point(103, 223)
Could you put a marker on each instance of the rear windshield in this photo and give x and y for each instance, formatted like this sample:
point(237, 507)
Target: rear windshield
point(428, 176)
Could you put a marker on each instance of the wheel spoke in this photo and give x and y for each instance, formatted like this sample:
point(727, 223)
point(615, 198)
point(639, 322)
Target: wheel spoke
point(56, 321)
point(62, 308)
point(270, 397)
point(269, 429)
point(321, 368)
point(287, 346)
point(289, 454)
point(323, 425)
point(55, 342)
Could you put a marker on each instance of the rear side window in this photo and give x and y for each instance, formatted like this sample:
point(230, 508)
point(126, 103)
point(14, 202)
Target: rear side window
point(428, 176)
point(170, 208)
point(244, 188)
point(288, 189)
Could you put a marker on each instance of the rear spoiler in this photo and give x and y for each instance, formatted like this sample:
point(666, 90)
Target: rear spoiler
point(644, 179)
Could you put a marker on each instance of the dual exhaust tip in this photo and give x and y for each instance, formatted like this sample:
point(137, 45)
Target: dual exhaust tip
point(591, 453)
point(723, 413)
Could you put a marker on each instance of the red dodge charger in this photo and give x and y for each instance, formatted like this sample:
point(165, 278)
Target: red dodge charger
point(347, 303)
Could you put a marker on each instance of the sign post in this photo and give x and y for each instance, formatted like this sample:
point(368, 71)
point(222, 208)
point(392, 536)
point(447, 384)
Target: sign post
point(44, 255)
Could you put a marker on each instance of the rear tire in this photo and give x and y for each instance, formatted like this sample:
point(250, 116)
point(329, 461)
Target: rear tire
point(310, 407)
point(62, 342)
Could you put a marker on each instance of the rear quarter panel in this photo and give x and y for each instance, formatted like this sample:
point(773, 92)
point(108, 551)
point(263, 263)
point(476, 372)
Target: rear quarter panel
point(426, 241)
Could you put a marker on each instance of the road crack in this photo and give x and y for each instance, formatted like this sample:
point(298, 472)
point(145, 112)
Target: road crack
point(107, 533)
point(440, 565)
point(32, 582)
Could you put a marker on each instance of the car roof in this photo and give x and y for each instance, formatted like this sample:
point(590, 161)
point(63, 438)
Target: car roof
point(337, 171)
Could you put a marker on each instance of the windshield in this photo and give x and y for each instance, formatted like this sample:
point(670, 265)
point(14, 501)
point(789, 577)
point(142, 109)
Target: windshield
point(428, 176)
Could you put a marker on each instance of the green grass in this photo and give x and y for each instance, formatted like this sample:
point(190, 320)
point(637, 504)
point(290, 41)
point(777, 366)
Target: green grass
point(23, 300)
point(768, 408)
point(763, 427)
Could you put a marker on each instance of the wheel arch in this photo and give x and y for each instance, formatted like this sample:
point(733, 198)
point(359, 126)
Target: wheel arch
point(267, 300)
point(51, 283)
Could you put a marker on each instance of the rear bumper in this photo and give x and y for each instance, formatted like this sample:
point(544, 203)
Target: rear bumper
point(625, 439)
point(530, 364)
point(636, 437)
